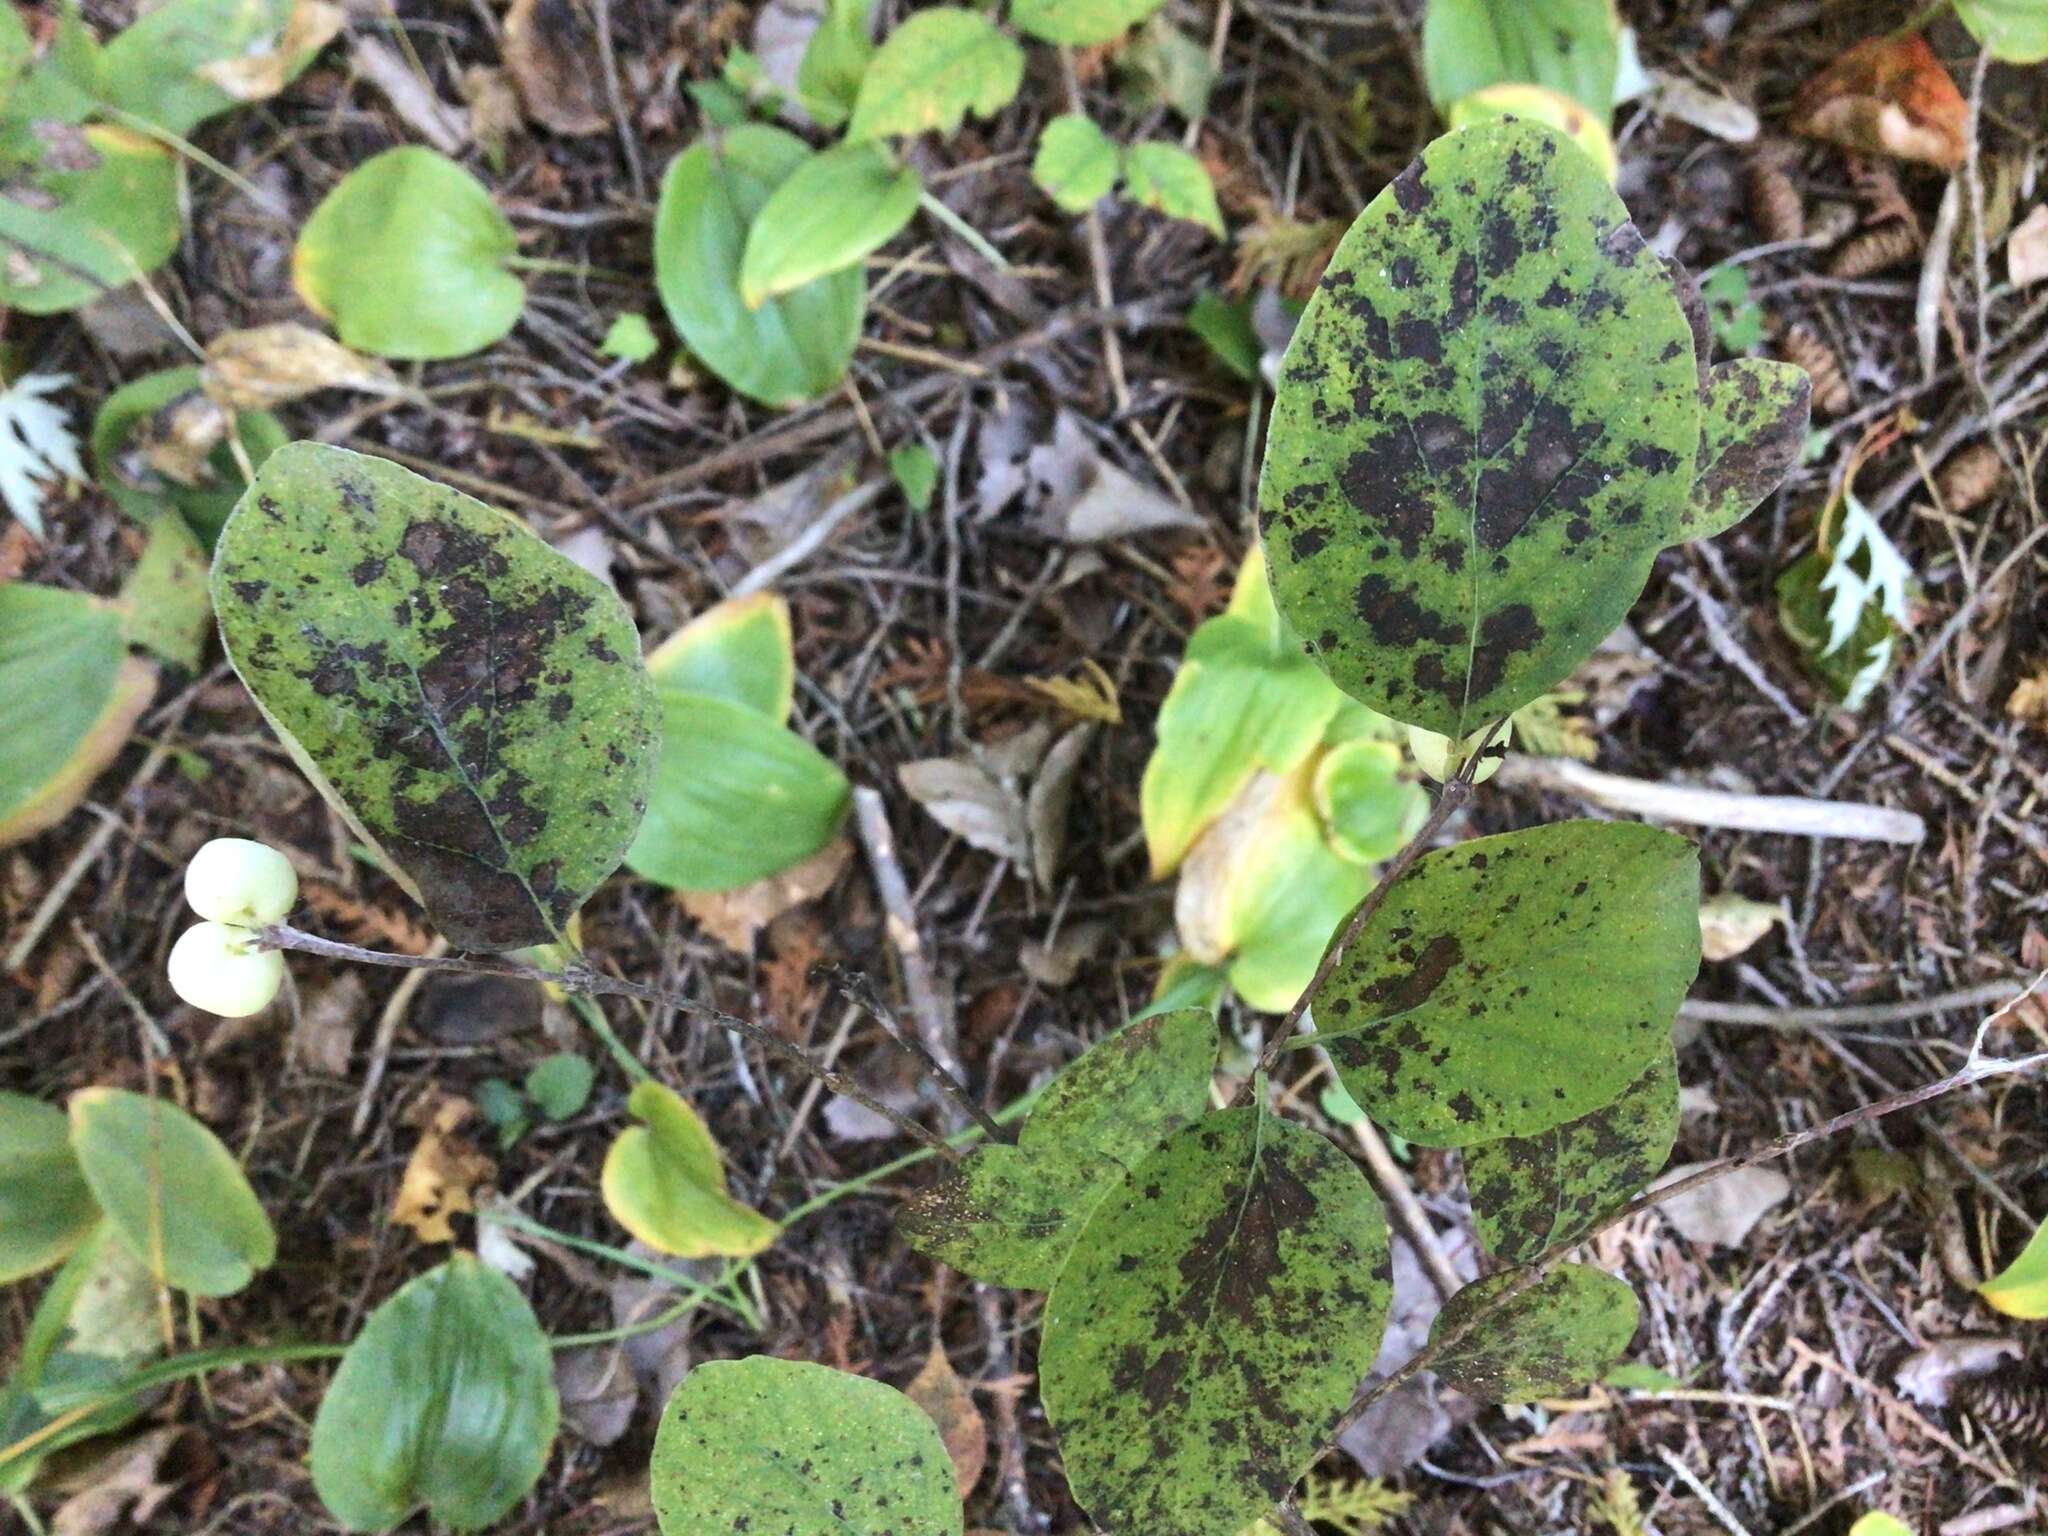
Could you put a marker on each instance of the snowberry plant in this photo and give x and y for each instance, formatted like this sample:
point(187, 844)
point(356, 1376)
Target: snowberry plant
point(1496, 413)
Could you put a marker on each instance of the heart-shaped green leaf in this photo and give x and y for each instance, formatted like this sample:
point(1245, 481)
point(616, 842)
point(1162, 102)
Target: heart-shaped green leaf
point(739, 651)
point(790, 349)
point(834, 209)
point(64, 666)
point(444, 1402)
point(469, 698)
point(737, 798)
point(1010, 1214)
point(1571, 46)
point(939, 65)
point(79, 234)
point(1529, 1192)
point(665, 1183)
point(46, 1210)
point(2016, 31)
point(128, 425)
point(1486, 427)
point(407, 256)
point(177, 1198)
point(1553, 1338)
point(1514, 983)
point(1211, 1324)
point(1082, 23)
point(797, 1449)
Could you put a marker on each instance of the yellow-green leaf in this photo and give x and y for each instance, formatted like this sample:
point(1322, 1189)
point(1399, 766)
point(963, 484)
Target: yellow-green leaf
point(739, 651)
point(665, 1184)
point(934, 69)
point(1082, 23)
point(834, 209)
point(177, 1198)
point(2021, 1288)
point(1165, 176)
point(1076, 163)
point(46, 1210)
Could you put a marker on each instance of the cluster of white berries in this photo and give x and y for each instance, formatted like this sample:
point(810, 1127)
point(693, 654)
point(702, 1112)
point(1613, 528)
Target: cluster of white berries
point(218, 965)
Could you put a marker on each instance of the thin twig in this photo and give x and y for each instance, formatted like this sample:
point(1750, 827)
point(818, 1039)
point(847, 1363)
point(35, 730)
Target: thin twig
point(860, 992)
point(598, 984)
point(1792, 815)
point(1986, 994)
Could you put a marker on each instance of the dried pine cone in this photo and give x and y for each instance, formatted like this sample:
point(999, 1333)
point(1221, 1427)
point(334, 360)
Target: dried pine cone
point(1775, 205)
point(1970, 477)
point(2011, 1403)
point(1876, 250)
point(1831, 395)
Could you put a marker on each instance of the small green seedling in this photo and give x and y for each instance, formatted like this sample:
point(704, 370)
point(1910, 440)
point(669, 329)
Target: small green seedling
point(556, 1089)
point(1077, 165)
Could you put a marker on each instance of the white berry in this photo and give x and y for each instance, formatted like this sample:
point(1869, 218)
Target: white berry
point(234, 880)
point(222, 970)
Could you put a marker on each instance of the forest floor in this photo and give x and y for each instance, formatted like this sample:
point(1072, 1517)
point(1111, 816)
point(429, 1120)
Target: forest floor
point(921, 635)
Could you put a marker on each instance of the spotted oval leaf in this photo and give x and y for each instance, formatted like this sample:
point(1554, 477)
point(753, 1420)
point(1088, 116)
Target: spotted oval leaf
point(1486, 428)
point(1514, 983)
point(1753, 419)
point(1553, 1338)
point(1211, 1324)
point(469, 699)
point(1010, 1214)
point(797, 1449)
point(1529, 1192)
point(445, 1402)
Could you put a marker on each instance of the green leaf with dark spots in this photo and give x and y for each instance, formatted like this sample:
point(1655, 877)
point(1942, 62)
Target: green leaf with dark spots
point(444, 1402)
point(1486, 428)
point(469, 699)
point(1553, 1338)
point(796, 1449)
point(1753, 420)
point(1010, 1214)
point(1512, 984)
point(1529, 1192)
point(1211, 1324)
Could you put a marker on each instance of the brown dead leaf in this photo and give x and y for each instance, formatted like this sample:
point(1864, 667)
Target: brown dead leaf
point(1889, 96)
point(2026, 252)
point(121, 1485)
point(1722, 1213)
point(736, 918)
point(311, 26)
point(598, 1391)
point(443, 1174)
point(494, 110)
point(1730, 924)
point(2028, 701)
point(272, 365)
point(552, 55)
point(940, 1392)
point(323, 1037)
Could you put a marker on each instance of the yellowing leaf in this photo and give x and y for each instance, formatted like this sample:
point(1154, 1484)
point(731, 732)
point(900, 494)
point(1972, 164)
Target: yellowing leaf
point(2021, 1288)
point(1091, 696)
point(664, 1183)
point(940, 1392)
point(739, 651)
point(442, 1175)
point(269, 365)
point(1545, 106)
point(1166, 177)
point(1878, 1523)
point(258, 76)
point(1729, 924)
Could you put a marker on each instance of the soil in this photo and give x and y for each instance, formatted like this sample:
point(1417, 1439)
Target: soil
point(919, 633)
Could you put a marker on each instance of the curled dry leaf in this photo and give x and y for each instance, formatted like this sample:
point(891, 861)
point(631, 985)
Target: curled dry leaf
point(940, 1392)
point(272, 365)
point(1889, 96)
point(1729, 924)
point(2028, 701)
point(311, 26)
point(1722, 1213)
point(442, 1175)
point(1927, 1375)
point(735, 918)
point(121, 1485)
point(551, 53)
point(599, 1392)
point(2026, 251)
point(1078, 495)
